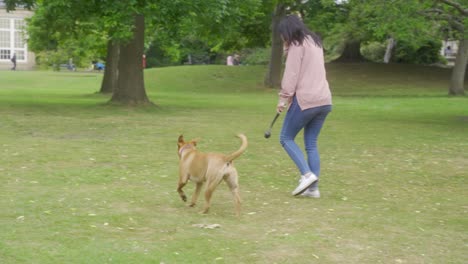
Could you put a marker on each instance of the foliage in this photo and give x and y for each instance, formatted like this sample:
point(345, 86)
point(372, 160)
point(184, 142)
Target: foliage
point(374, 51)
point(369, 21)
point(223, 27)
point(188, 48)
point(231, 26)
point(13, 4)
point(169, 23)
point(428, 53)
point(452, 16)
point(59, 27)
point(323, 17)
point(399, 19)
point(258, 56)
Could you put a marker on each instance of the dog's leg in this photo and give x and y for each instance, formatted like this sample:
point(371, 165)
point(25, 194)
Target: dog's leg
point(181, 192)
point(183, 179)
point(210, 188)
point(232, 182)
point(196, 193)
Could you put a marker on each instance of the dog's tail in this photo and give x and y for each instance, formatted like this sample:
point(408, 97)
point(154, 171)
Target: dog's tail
point(241, 150)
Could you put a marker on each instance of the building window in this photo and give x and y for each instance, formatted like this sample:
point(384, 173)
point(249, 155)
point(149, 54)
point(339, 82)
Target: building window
point(5, 54)
point(12, 39)
point(4, 39)
point(4, 23)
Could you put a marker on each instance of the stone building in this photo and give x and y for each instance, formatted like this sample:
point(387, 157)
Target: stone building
point(13, 39)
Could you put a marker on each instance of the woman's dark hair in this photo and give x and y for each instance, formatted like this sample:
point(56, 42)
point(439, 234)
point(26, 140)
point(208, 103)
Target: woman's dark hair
point(293, 30)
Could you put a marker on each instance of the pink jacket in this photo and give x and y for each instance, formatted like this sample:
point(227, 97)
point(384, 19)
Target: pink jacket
point(305, 76)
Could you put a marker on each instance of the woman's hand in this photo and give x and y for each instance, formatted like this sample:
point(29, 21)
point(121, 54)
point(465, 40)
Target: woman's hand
point(280, 108)
point(282, 104)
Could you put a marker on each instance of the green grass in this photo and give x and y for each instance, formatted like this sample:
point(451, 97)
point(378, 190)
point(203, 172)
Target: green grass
point(85, 182)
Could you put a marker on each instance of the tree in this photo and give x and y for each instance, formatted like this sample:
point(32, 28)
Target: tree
point(54, 29)
point(130, 88)
point(416, 20)
point(273, 75)
point(111, 71)
point(455, 15)
point(280, 8)
point(352, 31)
point(229, 27)
point(122, 22)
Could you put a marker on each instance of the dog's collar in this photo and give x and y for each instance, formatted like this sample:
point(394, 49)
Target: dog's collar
point(183, 148)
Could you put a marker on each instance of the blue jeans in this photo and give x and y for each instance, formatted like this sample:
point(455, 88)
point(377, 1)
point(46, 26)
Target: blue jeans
point(311, 120)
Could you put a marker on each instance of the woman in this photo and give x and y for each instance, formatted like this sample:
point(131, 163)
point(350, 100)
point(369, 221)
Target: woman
point(306, 95)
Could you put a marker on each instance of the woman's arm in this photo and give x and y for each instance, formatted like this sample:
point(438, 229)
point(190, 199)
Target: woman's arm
point(290, 76)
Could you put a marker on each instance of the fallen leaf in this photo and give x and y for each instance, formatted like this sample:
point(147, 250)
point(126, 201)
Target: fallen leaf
point(207, 226)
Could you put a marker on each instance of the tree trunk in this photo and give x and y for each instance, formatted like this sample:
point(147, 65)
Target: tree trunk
point(131, 86)
point(388, 52)
point(459, 70)
point(111, 71)
point(273, 76)
point(351, 52)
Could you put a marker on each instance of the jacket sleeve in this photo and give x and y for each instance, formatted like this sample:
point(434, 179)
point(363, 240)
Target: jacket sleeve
point(291, 72)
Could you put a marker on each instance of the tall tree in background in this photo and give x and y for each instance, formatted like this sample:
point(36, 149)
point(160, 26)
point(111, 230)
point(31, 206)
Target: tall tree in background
point(416, 20)
point(130, 83)
point(221, 26)
point(57, 22)
point(273, 75)
point(455, 15)
point(123, 24)
point(111, 71)
point(351, 31)
point(280, 8)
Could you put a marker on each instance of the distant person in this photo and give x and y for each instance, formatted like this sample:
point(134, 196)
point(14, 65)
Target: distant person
point(236, 60)
point(306, 96)
point(99, 66)
point(144, 61)
point(230, 60)
point(70, 65)
point(448, 51)
point(13, 60)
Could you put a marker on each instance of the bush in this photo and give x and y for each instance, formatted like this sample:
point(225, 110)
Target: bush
point(57, 59)
point(374, 51)
point(257, 56)
point(427, 53)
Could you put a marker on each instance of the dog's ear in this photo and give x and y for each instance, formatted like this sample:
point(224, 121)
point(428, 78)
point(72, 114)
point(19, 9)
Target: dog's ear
point(195, 141)
point(181, 139)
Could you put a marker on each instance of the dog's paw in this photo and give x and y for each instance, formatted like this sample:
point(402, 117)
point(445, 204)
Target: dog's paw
point(192, 205)
point(184, 198)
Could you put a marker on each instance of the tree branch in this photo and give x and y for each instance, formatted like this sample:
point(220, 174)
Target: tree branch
point(438, 14)
point(456, 5)
point(437, 11)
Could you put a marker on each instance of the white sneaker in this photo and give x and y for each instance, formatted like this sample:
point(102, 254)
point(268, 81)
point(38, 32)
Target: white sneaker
point(311, 193)
point(305, 183)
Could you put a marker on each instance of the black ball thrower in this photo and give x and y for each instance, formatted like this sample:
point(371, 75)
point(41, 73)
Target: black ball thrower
point(268, 132)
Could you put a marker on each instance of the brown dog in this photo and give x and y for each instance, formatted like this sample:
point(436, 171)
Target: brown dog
point(210, 168)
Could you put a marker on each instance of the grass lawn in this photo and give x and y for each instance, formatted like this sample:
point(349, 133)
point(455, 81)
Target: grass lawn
point(85, 182)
